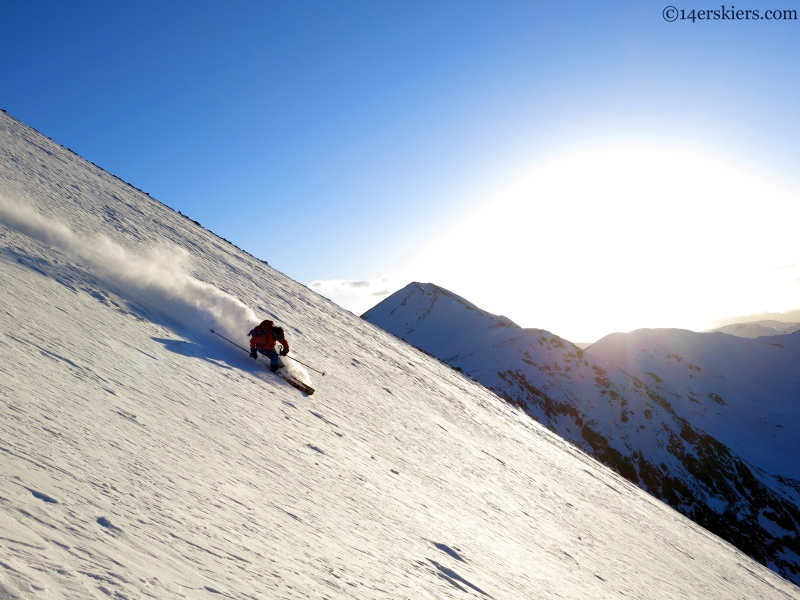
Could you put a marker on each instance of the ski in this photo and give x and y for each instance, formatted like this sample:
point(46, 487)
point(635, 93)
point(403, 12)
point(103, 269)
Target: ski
point(294, 382)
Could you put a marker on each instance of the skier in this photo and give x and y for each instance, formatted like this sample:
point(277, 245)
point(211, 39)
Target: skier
point(263, 339)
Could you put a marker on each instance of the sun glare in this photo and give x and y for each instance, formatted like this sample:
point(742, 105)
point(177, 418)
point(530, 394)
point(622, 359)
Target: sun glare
point(614, 239)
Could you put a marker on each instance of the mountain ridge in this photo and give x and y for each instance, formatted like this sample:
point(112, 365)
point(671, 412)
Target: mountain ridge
point(756, 329)
point(790, 316)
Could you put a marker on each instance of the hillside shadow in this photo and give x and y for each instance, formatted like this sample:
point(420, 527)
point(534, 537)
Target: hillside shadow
point(204, 352)
point(212, 352)
point(216, 352)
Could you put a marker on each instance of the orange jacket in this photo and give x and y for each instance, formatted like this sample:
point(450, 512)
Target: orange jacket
point(262, 337)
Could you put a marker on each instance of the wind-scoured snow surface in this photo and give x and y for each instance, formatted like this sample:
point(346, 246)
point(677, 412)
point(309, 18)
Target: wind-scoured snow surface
point(140, 457)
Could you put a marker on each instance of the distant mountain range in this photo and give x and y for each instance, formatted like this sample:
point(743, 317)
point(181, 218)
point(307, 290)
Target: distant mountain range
point(706, 422)
point(792, 316)
point(758, 328)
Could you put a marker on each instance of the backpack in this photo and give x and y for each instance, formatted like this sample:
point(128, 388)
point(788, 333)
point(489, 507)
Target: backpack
point(262, 328)
point(277, 332)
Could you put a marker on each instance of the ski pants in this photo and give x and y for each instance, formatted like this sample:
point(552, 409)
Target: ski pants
point(274, 360)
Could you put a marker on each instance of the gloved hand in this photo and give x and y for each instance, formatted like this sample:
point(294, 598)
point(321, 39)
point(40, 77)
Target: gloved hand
point(253, 353)
point(284, 351)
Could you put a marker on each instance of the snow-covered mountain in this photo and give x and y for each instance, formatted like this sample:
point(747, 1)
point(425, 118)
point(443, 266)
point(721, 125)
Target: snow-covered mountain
point(141, 457)
point(758, 329)
point(744, 392)
point(653, 435)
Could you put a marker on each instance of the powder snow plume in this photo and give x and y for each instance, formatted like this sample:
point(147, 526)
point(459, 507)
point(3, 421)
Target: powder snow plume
point(157, 278)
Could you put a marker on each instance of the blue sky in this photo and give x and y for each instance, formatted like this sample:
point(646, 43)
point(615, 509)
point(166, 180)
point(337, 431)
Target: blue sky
point(338, 139)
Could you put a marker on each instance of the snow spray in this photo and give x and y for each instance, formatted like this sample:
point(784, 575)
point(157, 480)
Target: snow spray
point(157, 279)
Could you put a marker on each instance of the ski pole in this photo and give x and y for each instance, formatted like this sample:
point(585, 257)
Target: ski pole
point(309, 366)
point(246, 350)
point(227, 340)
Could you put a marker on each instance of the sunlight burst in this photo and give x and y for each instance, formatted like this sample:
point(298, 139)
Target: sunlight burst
point(618, 238)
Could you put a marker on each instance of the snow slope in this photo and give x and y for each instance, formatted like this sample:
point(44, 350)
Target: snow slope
point(636, 429)
point(142, 458)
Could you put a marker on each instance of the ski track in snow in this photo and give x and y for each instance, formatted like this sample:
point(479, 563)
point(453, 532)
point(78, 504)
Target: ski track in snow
point(141, 458)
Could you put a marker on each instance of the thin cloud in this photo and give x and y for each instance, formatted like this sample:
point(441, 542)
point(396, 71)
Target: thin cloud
point(356, 295)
